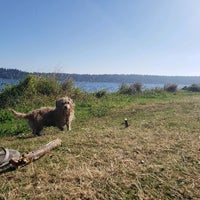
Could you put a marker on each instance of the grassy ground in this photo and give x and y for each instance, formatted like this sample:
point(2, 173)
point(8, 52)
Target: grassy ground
point(157, 157)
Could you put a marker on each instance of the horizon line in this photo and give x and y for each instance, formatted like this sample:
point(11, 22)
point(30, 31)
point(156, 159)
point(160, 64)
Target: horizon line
point(103, 74)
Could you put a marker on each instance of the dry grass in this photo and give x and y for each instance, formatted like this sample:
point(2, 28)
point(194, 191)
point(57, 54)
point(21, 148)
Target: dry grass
point(157, 157)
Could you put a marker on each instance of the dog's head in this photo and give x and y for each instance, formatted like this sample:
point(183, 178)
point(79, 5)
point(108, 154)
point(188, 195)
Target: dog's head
point(65, 103)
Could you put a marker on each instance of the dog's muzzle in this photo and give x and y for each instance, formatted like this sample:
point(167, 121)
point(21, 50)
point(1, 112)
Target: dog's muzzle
point(65, 107)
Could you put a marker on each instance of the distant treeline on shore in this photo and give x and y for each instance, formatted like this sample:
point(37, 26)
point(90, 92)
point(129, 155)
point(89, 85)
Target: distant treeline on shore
point(115, 78)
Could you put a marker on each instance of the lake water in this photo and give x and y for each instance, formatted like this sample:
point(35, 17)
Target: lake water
point(110, 87)
point(5, 82)
point(90, 86)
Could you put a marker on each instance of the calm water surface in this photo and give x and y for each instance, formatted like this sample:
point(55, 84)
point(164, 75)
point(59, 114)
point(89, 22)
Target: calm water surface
point(90, 86)
point(110, 87)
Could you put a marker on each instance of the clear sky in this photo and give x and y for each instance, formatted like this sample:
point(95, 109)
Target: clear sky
point(155, 37)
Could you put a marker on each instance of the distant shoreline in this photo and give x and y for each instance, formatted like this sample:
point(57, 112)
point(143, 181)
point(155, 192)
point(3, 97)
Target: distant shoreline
point(93, 86)
point(111, 78)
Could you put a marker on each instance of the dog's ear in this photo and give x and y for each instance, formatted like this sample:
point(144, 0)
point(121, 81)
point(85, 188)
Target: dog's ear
point(57, 103)
point(71, 101)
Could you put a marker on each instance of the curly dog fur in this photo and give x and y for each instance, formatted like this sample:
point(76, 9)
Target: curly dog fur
point(59, 116)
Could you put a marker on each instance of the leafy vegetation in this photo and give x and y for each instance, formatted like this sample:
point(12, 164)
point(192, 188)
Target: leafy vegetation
point(100, 93)
point(134, 88)
point(156, 157)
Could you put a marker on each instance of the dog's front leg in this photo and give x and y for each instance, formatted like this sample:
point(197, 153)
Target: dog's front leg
point(68, 124)
point(37, 132)
point(61, 128)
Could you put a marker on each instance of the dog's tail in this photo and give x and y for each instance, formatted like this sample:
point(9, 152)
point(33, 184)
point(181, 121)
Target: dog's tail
point(18, 114)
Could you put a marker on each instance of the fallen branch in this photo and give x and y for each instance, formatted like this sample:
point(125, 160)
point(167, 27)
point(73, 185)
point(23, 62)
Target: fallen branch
point(34, 155)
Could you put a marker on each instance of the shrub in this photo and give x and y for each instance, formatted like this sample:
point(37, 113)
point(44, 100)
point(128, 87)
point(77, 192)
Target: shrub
point(100, 93)
point(27, 88)
point(10, 95)
point(130, 90)
point(124, 88)
point(47, 86)
point(193, 88)
point(170, 87)
point(68, 86)
point(136, 88)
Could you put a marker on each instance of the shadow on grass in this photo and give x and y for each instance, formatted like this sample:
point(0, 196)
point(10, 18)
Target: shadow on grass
point(6, 169)
point(28, 136)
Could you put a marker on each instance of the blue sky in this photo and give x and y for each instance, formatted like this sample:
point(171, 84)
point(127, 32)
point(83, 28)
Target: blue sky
point(154, 37)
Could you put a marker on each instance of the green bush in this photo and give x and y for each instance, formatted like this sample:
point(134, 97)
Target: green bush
point(68, 85)
point(11, 94)
point(170, 87)
point(137, 87)
point(193, 88)
point(124, 89)
point(100, 93)
point(47, 86)
point(134, 88)
point(36, 86)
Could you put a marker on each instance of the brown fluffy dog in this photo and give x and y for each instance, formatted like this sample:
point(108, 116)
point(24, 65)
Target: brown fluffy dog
point(59, 116)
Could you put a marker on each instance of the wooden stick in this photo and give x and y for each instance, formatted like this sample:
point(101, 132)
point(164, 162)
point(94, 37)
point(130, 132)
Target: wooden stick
point(34, 155)
point(126, 123)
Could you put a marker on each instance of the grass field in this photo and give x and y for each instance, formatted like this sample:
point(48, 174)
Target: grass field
point(157, 157)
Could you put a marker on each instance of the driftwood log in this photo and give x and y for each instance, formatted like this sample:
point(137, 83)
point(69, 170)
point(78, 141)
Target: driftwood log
point(34, 155)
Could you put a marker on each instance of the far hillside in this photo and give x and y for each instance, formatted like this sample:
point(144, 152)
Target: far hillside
point(115, 78)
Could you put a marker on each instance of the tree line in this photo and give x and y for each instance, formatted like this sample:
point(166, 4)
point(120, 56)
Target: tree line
point(117, 78)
